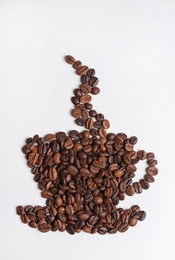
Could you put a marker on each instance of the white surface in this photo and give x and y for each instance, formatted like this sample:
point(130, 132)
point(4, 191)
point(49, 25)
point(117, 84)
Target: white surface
point(131, 46)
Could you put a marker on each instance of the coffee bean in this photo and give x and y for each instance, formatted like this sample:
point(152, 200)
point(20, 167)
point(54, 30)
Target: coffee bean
point(77, 64)
point(98, 200)
point(144, 184)
point(24, 219)
point(88, 106)
point(93, 81)
point(89, 123)
point(32, 224)
point(137, 186)
point(91, 73)
point(85, 88)
point(123, 228)
point(149, 178)
point(76, 113)
point(130, 191)
point(142, 215)
point(95, 90)
point(82, 70)
point(20, 210)
point(49, 138)
point(141, 155)
point(85, 79)
point(56, 158)
point(152, 171)
point(133, 222)
point(85, 99)
point(105, 124)
point(70, 59)
point(80, 121)
point(45, 227)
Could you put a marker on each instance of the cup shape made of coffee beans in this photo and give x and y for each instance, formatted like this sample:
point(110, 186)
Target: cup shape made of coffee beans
point(84, 175)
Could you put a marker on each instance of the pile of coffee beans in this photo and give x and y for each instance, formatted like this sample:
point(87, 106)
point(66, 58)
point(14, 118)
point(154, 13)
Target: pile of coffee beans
point(84, 175)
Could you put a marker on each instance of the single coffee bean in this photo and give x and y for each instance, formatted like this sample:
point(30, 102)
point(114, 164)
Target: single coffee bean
point(152, 171)
point(70, 230)
point(49, 138)
point(149, 178)
point(76, 113)
point(95, 90)
point(77, 64)
point(82, 70)
point(133, 222)
point(105, 124)
point(93, 81)
point(144, 184)
point(91, 73)
point(20, 210)
point(142, 215)
point(137, 186)
point(98, 200)
point(141, 155)
point(45, 227)
point(70, 59)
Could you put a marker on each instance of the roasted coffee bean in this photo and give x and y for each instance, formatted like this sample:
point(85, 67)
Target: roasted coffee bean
point(95, 90)
point(86, 89)
point(98, 200)
point(91, 73)
point(137, 186)
point(144, 184)
point(32, 224)
point(133, 222)
point(77, 64)
point(152, 171)
point(105, 124)
point(24, 219)
point(70, 229)
point(85, 79)
point(149, 178)
point(142, 215)
point(76, 113)
point(123, 228)
point(49, 138)
point(45, 227)
point(20, 210)
point(80, 121)
point(141, 155)
point(70, 59)
point(133, 140)
point(82, 70)
point(93, 81)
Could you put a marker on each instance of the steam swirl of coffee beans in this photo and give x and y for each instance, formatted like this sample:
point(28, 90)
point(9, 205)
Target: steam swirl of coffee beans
point(84, 175)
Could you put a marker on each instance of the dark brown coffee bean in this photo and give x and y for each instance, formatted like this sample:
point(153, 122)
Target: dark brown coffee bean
point(49, 138)
point(70, 59)
point(91, 73)
point(122, 187)
point(70, 230)
point(24, 219)
point(149, 178)
point(137, 186)
point(142, 215)
point(123, 227)
point(102, 230)
point(80, 121)
point(152, 163)
point(20, 210)
point(77, 64)
point(100, 117)
point(45, 227)
point(32, 224)
point(150, 156)
point(86, 229)
point(93, 81)
point(130, 191)
point(33, 157)
point(152, 171)
point(85, 79)
point(60, 136)
point(88, 106)
point(141, 155)
point(133, 140)
point(144, 184)
point(95, 90)
point(82, 70)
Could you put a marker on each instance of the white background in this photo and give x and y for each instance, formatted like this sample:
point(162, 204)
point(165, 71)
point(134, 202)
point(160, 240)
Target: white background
point(131, 44)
